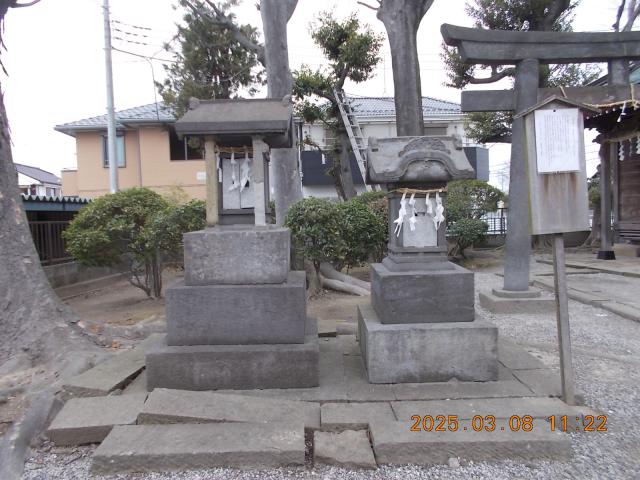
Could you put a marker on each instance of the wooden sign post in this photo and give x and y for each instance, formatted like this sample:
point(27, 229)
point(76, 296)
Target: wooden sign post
point(558, 198)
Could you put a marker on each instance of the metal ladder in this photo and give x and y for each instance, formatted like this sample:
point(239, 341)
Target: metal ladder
point(355, 134)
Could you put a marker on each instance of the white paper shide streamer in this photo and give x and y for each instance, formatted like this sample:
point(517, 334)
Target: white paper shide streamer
point(438, 218)
point(234, 179)
point(401, 214)
point(412, 215)
point(218, 166)
point(245, 171)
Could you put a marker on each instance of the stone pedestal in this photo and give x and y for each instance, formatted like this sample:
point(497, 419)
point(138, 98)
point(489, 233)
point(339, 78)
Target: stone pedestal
point(427, 352)
point(238, 321)
point(416, 296)
point(421, 325)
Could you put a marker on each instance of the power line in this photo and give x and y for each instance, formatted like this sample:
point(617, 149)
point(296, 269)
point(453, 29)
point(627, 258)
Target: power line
point(148, 57)
point(130, 25)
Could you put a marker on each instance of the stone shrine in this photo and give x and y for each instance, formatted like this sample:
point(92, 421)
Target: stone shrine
point(238, 320)
point(421, 324)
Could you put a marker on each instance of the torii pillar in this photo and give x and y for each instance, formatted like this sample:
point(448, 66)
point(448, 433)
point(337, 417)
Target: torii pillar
point(527, 50)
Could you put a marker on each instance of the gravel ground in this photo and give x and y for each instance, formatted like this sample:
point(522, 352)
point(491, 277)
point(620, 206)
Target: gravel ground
point(606, 351)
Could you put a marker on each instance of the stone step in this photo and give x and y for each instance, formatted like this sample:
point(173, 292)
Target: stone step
point(182, 406)
point(112, 374)
point(142, 448)
point(395, 444)
point(354, 416)
point(89, 420)
point(348, 449)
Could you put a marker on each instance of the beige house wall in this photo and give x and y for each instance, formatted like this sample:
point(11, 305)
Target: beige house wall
point(147, 164)
point(69, 183)
point(162, 174)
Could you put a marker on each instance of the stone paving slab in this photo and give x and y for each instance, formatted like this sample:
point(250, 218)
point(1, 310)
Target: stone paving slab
point(348, 449)
point(514, 357)
point(112, 374)
point(454, 390)
point(625, 266)
point(539, 408)
point(543, 381)
point(354, 416)
point(141, 448)
point(395, 444)
point(342, 379)
point(182, 406)
point(89, 420)
point(138, 385)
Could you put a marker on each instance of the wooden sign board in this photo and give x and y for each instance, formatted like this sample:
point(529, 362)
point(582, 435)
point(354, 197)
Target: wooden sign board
point(556, 167)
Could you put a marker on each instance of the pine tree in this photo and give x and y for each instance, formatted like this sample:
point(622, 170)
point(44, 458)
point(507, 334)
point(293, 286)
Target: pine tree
point(209, 60)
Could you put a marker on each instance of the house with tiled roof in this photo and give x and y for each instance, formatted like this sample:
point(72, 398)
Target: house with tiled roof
point(150, 154)
point(35, 181)
point(377, 118)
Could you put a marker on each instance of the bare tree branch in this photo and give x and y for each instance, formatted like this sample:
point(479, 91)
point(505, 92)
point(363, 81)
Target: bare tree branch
point(15, 4)
point(495, 76)
point(375, 9)
point(633, 12)
point(616, 25)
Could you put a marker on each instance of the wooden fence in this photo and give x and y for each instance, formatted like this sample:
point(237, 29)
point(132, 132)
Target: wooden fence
point(47, 237)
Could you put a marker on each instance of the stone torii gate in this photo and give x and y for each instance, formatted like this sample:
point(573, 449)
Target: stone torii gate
point(527, 50)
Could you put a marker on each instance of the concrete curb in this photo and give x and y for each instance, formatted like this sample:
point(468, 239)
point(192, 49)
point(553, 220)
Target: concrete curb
point(612, 306)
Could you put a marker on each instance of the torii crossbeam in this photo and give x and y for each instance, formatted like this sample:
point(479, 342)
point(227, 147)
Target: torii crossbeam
point(527, 50)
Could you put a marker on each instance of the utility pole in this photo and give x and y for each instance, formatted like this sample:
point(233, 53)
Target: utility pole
point(111, 113)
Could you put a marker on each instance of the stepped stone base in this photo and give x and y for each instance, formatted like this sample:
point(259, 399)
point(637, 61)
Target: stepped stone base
point(237, 367)
point(423, 296)
point(427, 352)
point(237, 314)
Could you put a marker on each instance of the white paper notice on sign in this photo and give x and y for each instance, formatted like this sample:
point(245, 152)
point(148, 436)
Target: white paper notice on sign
point(201, 176)
point(558, 140)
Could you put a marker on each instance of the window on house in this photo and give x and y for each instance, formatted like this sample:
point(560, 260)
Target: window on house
point(435, 129)
point(119, 151)
point(189, 148)
point(50, 192)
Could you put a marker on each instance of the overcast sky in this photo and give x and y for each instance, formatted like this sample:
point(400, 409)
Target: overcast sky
point(55, 61)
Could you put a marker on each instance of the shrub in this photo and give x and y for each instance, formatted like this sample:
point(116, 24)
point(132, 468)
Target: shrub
point(316, 229)
point(137, 226)
point(467, 232)
point(167, 227)
point(471, 199)
point(363, 230)
point(467, 202)
point(343, 234)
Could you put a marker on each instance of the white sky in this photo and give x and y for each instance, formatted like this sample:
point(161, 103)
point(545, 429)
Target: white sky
point(55, 61)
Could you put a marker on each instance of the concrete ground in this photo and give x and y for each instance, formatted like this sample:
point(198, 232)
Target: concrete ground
point(606, 350)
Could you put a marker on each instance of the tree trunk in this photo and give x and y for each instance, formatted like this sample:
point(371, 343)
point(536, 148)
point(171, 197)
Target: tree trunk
point(32, 317)
point(401, 19)
point(286, 181)
point(34, 323)
point(344, 169)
